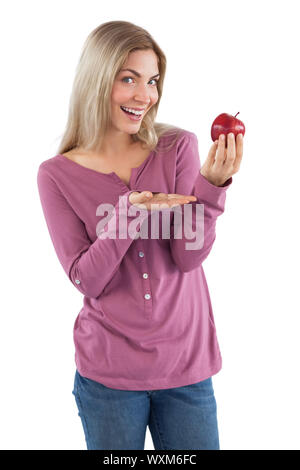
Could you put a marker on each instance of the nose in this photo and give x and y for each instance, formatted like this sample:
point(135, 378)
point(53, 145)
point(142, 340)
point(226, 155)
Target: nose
point(142, 94)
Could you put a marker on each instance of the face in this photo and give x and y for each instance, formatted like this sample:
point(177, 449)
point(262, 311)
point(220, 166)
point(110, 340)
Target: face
point(136, 89)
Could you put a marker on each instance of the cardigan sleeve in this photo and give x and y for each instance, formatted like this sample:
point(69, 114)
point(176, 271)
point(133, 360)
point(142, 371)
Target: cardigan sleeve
point(89, 266)
point(190, 181)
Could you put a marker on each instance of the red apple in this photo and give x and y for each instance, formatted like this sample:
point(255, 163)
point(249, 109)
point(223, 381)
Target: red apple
point(224, 124)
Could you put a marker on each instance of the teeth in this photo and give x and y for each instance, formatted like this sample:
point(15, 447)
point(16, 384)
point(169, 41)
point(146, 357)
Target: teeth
point(138, 113)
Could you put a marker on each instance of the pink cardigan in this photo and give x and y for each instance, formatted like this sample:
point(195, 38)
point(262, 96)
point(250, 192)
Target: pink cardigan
point(147, 321)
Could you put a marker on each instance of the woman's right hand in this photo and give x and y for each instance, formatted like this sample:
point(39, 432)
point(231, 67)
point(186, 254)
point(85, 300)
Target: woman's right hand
point(158, 201)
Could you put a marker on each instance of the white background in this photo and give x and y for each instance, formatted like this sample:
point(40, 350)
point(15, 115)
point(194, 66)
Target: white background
point(229, 57)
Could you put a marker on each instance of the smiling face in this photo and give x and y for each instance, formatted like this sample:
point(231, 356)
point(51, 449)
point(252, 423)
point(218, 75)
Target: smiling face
point(136, 89)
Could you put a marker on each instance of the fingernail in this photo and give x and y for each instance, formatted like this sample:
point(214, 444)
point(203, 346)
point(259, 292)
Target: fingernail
point(222, 137)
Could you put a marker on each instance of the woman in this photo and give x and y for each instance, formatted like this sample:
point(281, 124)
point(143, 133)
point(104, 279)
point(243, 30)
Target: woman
point(145, 339)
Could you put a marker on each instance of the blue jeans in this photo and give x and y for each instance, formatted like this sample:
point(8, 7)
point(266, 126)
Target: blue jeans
point(178, 418)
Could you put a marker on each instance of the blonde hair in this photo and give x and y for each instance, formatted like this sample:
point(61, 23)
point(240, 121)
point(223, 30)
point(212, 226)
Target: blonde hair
point(104, 52)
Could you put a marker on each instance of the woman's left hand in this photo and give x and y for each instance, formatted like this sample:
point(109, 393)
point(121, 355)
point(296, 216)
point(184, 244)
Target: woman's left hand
point(223, 162)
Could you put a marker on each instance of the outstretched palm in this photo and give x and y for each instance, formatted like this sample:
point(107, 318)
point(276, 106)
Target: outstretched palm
point(158, 201)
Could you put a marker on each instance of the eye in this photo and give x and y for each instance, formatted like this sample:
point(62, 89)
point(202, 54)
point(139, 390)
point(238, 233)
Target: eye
point(127, 78)
point(155, 80)
point(131, 78)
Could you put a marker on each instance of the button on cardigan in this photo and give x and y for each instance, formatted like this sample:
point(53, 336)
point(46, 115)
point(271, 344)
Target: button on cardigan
point(146, 322)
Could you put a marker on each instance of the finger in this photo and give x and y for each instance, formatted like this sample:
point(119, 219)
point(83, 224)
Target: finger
point(175, 200)
point(187, 198)
point(178, 202)
point(142, 198)
point(173, 195)
point(231, 150)
point(212, 153)
point(239, 151)
point(134, 197)
point(147, 194)
point(220, 154)
point(182, 196)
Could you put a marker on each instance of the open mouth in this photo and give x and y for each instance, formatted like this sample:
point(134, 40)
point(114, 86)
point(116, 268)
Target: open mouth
point(133, 116)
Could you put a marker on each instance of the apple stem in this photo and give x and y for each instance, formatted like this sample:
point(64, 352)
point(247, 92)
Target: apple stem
point(237, 114)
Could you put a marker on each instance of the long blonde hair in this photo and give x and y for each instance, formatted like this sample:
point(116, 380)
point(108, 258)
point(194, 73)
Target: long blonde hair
point(104, 52)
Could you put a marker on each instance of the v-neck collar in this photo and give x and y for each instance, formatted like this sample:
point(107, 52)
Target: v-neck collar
point(112, 174)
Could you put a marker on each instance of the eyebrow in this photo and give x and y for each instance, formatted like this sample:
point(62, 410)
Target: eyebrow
point(136, 73)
